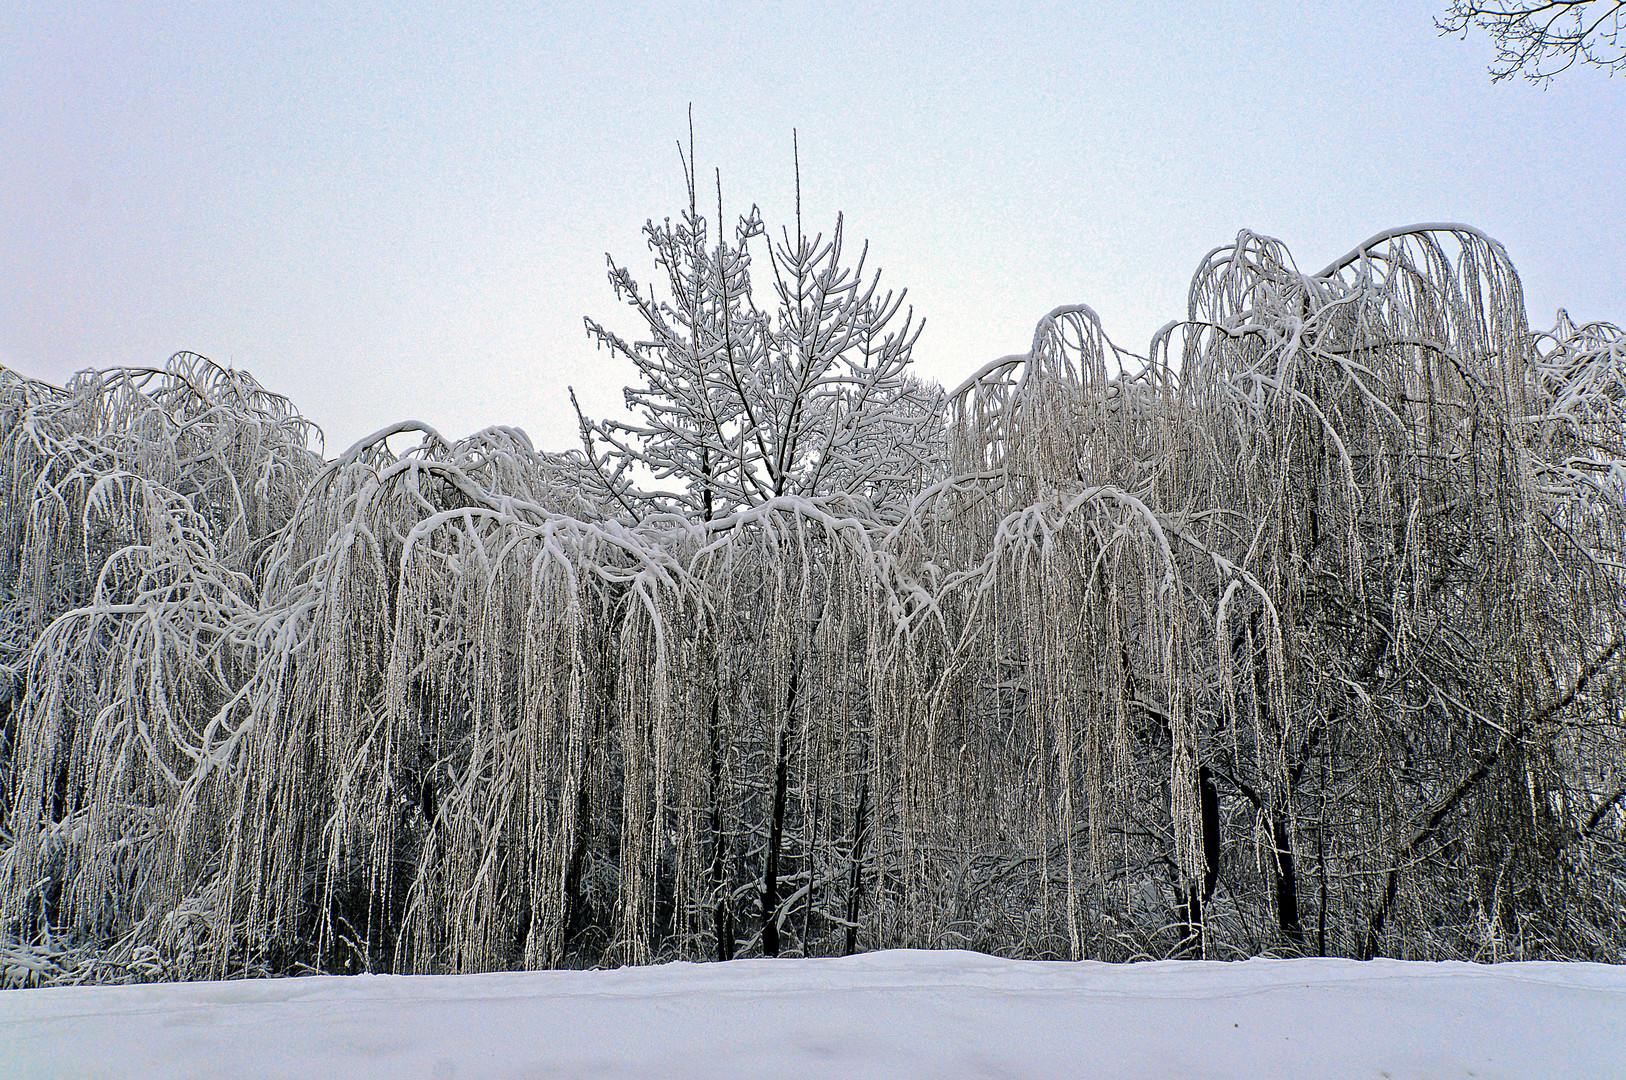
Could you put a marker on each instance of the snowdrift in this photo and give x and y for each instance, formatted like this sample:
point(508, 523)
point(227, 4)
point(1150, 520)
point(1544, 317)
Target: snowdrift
point(887, 1014)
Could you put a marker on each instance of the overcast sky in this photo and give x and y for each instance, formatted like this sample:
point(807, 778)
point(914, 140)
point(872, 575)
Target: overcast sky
point(400, 210)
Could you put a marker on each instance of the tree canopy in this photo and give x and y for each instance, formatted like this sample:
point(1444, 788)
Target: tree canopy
point(1297, 634)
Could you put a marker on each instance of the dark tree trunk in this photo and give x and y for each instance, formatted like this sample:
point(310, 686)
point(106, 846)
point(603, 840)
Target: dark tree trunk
point(575, 909)
point(776, 831)
point(1195, 897)
point(723, 913)
point(1211, 831)
point(855, 878)
point(1287, 891)
point(1190, 914)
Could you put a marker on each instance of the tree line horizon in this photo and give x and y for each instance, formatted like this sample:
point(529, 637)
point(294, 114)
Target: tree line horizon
point(1298, 634)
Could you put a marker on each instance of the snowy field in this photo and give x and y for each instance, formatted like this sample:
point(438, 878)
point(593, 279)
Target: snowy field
point(890, 1014)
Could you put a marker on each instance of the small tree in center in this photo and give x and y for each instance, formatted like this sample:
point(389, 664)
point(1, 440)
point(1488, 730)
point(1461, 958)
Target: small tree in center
point(739, 405)
point(789, 432)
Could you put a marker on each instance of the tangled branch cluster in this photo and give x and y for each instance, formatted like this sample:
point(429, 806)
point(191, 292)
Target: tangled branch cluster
point(1542, 39)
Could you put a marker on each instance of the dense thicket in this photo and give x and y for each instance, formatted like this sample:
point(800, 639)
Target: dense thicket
point(1299, 634)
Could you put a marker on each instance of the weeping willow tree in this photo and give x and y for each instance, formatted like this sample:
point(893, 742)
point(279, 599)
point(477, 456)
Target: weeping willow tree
point(1428, 628)
point(1050, 626)
point(1359, 424)
point(1299, 633)
point(137, 505)
point(1310, 614)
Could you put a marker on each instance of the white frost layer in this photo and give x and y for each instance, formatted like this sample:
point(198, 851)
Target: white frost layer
point(889, 1014)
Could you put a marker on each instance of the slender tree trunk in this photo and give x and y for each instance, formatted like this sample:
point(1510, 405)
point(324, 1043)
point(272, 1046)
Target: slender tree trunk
point(1321, 861)
point(575, 909)
point(1190, 911)
point(722, 912)
point(723, 908)
point(781, 790)
point(1287, 891)
point(1191, 908)
point(776, 831)
point(1211, 831)
point(855, 875)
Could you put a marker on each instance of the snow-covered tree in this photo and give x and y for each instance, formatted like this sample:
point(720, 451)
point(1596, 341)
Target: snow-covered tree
point(789, 429)
point(741, 402)
point(138, 505)
point(1299, 633)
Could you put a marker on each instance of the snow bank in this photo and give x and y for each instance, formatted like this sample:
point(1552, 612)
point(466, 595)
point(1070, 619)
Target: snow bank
point(890, 1014)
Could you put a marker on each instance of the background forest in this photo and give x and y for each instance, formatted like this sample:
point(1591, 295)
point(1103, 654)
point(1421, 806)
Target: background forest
point(1298, 634)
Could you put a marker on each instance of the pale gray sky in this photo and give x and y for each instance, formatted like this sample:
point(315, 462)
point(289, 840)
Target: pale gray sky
point(402, 210)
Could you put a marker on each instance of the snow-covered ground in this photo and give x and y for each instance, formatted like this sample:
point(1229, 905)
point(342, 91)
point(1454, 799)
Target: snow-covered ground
point(890, 1014)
